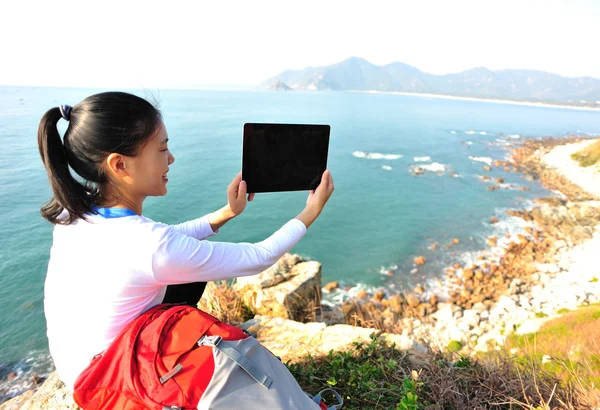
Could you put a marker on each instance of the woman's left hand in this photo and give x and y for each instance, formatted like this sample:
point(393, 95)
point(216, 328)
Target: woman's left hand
point(236, 195)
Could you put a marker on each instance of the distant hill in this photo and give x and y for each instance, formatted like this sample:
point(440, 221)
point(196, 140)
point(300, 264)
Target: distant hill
point(521, 85)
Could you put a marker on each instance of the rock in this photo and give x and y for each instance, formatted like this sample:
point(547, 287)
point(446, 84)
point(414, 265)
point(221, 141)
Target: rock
point(362, 294)
point(494, 220)
point(433, 300)
point(487, 168)
point(17, 402)
point(292, 340)
point(493, 241)
point(281, 271)
point(396, 303)
point(331, 286)
point(331, 315)
point(51, 395)
point(471, 317)
point(547, 268)
point(419, 290)
point(379, 295)
point(500, 180)
point(455, 241)
point(420, 260)
point(529, 326)
point(412, 300)
point(296, 297)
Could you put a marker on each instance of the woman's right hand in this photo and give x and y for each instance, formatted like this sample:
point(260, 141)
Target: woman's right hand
point(317, 199)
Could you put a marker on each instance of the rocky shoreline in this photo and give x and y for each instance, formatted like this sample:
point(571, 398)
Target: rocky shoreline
point(516, 287)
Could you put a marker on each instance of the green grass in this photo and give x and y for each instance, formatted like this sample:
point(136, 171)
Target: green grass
point(572, 341)
point(594, 280)
point(589, 155)
point(540, 314)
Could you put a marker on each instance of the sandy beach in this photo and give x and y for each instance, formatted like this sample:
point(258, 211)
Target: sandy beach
point(450, 97)
point(560, 160)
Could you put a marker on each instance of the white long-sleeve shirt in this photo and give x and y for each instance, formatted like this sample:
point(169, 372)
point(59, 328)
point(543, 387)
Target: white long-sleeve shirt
point(104, 273)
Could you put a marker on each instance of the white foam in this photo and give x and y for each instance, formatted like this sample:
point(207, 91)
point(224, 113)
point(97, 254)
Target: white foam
point(513, 136)
point(485, 160)
point(452, 132)
point(422, 159)
point(470, 132)
point(434, 167)
point(483, 133)
point(469, 142)
point(386, 167)
point(375, 155)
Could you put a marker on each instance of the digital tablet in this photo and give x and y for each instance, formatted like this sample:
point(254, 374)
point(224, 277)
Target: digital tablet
point(284, 157)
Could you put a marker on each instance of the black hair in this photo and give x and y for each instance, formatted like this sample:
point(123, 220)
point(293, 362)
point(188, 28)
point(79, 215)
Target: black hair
point(99, 125)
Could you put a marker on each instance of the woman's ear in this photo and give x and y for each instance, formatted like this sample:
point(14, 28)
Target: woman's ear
point(116, 166)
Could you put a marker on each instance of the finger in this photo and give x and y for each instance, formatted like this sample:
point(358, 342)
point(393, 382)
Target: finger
point(242, 189)
point(237, 179)
point(250, 197)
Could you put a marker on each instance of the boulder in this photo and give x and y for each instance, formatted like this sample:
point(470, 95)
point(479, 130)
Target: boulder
point(290, 289)
point(292, 340)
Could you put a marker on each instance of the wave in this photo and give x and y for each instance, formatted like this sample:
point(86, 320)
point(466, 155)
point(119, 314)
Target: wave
point(433, 167)
point(386, 167)
point(375, 155)
point(452, 132)
point(483, 133)
point(18, 377)
point(470, 132)
point(513, 136)
point(485, 160)
point(422, 159)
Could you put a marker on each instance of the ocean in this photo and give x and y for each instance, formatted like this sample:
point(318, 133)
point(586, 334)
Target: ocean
point(379, 218)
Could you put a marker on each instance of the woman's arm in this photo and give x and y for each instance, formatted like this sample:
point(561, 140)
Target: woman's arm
point(182, 259)
point(220, 217)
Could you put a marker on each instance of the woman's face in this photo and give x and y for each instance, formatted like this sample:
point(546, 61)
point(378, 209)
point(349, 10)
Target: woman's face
point(149, 172)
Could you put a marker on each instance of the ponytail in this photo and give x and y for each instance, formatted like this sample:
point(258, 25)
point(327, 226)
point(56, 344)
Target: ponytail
point(69, 194)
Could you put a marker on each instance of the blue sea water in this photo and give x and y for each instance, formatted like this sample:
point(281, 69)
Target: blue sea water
point(380, 216)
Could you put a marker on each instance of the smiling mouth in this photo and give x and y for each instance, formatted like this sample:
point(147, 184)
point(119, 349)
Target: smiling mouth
point(165, 177)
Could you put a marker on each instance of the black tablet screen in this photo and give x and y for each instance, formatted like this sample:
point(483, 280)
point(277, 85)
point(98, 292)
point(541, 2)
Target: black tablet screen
point(284, 157)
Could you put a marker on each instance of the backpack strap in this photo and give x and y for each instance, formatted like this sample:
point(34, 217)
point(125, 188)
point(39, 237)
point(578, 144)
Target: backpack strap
point(338, 406)
point(240, 359)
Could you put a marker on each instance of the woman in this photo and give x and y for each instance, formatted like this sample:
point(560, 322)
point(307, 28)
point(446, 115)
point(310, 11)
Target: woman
point(108, 262)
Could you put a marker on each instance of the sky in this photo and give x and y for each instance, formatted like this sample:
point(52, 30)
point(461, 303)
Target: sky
point(189, 44)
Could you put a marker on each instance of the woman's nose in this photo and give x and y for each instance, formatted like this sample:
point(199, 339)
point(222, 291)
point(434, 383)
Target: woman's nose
point(171, 158)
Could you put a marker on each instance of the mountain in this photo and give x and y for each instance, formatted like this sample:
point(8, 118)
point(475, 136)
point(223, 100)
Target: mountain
point(356, 73)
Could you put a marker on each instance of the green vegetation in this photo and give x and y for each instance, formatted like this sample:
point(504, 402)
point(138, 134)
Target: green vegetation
point(454, 346)
point(594, 280)
point(540, 314)
point(376, 375)
point(373, 375)
point(563, 311)
point(589, 155)
point(566, 346)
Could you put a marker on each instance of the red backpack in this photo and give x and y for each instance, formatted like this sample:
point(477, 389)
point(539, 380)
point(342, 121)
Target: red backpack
point(179, 357)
